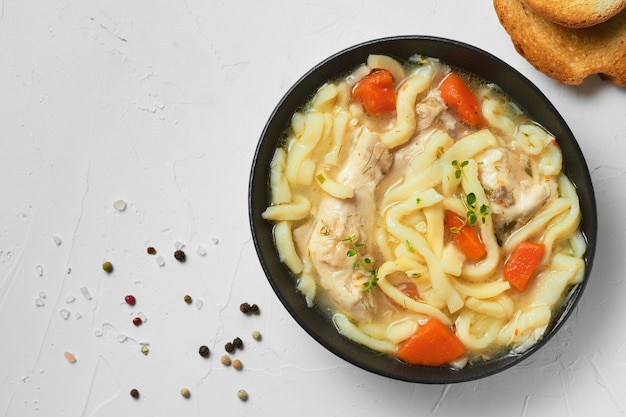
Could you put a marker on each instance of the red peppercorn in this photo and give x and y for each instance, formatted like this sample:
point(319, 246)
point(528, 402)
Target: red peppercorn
point(137, 321)
point(130, 300)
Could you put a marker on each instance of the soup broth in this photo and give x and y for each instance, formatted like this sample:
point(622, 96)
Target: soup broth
point(426, 213)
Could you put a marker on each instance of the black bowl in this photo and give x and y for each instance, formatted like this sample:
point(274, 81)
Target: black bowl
point(458, 55)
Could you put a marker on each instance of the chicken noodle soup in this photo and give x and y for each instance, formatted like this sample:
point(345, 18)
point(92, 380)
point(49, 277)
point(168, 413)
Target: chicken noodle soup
point(426, 213)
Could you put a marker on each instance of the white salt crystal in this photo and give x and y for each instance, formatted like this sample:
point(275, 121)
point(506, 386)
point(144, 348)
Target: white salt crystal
point(122, 337)
point(85, 292)
point(65, 313)
point(215, 240)
point(57, 240)
point(159, 260)
point(78, 315)
point(98, 333)
point(178, 245)
point(142, 317)
point(70, 299)
point(201, 251)
point(42, 294)
point(39, 270)
point(119, 205)
point(39, 302)
point(199, 303)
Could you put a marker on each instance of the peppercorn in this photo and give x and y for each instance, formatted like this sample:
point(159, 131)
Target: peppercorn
point(256, 335)
point(130, 300)
point(151, 250)
point(225, 360)
point(107, 266)
point(137, 321)
point(134, 393)
point(242, 395)
point(237, 364)
point(187, 299)
point(244, 308)
point(185, 393)
point(204, 351)
point(180, 256)
point(254, 308)
point(238, 343)
point(229, 347)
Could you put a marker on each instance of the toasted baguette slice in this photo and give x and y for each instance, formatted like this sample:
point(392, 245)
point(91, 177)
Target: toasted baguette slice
point(565, 54)
point(577, 13)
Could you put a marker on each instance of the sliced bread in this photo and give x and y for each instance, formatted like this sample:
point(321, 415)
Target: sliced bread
point(577, 13)
point(568, 55)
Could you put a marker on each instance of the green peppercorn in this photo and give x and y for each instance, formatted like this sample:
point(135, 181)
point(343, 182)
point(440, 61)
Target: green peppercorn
point(242, 395)
point(107, 266)
point(185, 393)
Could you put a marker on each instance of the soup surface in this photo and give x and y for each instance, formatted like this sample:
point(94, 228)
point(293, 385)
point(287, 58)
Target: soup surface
point(425, 213)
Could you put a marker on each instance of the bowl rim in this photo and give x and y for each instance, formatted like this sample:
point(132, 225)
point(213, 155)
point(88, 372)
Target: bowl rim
point(477, 60)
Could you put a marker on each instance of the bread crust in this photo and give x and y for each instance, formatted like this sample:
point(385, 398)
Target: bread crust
point(577, 13)
point(566, 54)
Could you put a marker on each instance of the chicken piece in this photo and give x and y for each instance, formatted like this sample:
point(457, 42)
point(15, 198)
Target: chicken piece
point(513, 193)
point(338, 219)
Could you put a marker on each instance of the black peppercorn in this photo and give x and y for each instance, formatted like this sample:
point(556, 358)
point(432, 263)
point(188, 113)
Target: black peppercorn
point(238, 343)
point(134, 393)
point(180, 255)
point(229, 347)
point(254, 308)
point(244, 308)
point(204, 351)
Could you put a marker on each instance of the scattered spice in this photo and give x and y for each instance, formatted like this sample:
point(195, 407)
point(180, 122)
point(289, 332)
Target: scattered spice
point(249, 308)
point(225, 360)
point(71, 358)
point(185, 393)
point(188, 299)
point(204, 351)
point(242, 395)
point(134, 393)
point(237, 364)
point(130, 300)
point(229, 347)
point(238, 343)
point(256, 335)
point(145, 349)
point(151, 250)
point(107, 266)
point(137, 321)
point(180, 256)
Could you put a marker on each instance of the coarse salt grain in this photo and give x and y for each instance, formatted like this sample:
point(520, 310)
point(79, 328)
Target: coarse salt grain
point(57, 240)
point(39, 302)
point(85, 292)
point(201, 251)
point(160, 260)
point(39, 270)
point(65, 314)
point(119, 205)
point(70, 299)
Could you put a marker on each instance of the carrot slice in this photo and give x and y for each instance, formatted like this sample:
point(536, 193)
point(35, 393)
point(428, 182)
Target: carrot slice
point(465, 237)
point(522, 264)
point(433, 344)
point(457, 94)
point(376, 92)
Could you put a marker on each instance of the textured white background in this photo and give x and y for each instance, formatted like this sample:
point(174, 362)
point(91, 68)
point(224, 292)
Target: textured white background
point(161, 103)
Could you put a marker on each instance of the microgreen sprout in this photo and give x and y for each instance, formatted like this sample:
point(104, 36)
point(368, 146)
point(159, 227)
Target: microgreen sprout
point(360, 262)
point(472, 216)
point(459, 167)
